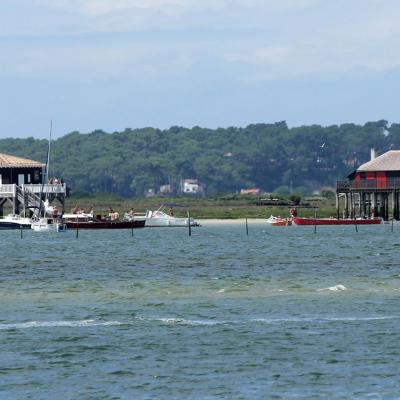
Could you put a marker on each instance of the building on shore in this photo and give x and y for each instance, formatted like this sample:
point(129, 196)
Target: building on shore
point(372, 190)
point(23, 186)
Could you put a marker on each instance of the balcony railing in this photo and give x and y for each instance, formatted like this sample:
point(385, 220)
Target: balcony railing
point(46, 188)
point(11, 190)
point(369, 184)
point(8, 190)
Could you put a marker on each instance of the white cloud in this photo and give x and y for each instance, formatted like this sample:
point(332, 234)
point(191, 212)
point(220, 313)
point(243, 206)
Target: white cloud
point(263, 39)
point(103, 7)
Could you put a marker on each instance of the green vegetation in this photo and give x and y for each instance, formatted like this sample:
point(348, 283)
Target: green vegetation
point(272, 157)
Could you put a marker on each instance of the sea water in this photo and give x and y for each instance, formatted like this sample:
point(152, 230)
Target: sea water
point(283, 313)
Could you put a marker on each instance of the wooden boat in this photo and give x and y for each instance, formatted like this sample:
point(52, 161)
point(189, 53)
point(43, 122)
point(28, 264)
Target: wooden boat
point(334, 221)
point(88, 221)
point(100, 224)
point(278, 221)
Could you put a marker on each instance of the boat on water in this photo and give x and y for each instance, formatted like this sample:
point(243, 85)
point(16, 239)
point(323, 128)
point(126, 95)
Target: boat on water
point(278, 221)
point(160, 218)
point(15, 221)
point(44, 220)
point(89, 221)
point(335, 221)
point(47, 225)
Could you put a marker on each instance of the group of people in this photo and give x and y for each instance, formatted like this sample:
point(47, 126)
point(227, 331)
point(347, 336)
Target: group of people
point(78, 210)
point(56, 181)
point(111, 215)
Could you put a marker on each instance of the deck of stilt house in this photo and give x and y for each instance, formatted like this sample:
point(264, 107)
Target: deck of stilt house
point(23, 186)
point(373, 190)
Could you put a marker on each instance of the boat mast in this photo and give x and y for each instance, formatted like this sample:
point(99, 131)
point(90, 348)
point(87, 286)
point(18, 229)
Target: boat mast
point(48, 155)
point(46, 175)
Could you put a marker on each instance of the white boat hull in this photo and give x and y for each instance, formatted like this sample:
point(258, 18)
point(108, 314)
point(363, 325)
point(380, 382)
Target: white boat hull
point(44, 226)
point(13, 221)
point(160, 219)
point(159, 222)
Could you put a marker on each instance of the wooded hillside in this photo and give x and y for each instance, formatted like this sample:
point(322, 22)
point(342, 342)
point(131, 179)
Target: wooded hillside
point(267, 156)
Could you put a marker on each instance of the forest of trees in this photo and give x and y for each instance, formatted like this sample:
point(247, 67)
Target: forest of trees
point(272, 157)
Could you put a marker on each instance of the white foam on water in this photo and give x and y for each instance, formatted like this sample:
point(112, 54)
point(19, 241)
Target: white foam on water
point(182, 321)
point(280, 320)
point(336, 288)
point(322, 320)
point(344, 319)
point(56, 324)
point(295, 320)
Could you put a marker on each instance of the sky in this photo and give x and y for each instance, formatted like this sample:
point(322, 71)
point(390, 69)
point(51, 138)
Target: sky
point(116, 64)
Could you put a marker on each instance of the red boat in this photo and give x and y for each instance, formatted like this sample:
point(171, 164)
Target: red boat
point(334, 221)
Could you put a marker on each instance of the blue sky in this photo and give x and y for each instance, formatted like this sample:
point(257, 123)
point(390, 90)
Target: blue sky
point(114, 64)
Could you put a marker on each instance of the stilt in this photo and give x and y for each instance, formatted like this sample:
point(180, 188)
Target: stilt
point(337, 206)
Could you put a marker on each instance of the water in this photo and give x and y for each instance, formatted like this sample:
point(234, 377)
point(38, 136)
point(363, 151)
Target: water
point(282, 313)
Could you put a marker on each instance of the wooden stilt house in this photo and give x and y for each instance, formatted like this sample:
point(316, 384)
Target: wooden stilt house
point(372, 190)
point(22, 185)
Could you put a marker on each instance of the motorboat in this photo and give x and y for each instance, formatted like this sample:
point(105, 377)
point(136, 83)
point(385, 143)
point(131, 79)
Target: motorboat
point(47, 225)
point(160, 218)
point(278, 221)
point(15, 221)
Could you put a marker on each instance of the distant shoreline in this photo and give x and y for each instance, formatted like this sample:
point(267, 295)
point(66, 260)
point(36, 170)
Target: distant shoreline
point(238, 221)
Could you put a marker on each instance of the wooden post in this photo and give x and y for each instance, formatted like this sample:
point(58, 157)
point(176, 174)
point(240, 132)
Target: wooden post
point(393, 204)
point(132, 226)
point(189, 226)
point(247, 228)
point(337, 206)
point(20, 228)
point(77, 227)
point(315, 221)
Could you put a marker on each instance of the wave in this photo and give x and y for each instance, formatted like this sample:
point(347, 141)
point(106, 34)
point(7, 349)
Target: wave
point(322, 319)
point(335, 288)
point(188, 322)
point(300, 320)
point(183, 321)
point(53, 324)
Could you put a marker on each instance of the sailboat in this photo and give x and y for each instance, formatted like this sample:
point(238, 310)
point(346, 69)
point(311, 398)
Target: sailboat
point(46, 222)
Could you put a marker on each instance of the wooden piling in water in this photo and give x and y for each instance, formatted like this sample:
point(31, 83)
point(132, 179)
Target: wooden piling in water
point(189, 226)
point(315, 221)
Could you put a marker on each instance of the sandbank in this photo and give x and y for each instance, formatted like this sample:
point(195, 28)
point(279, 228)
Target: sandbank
point(238, 221)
